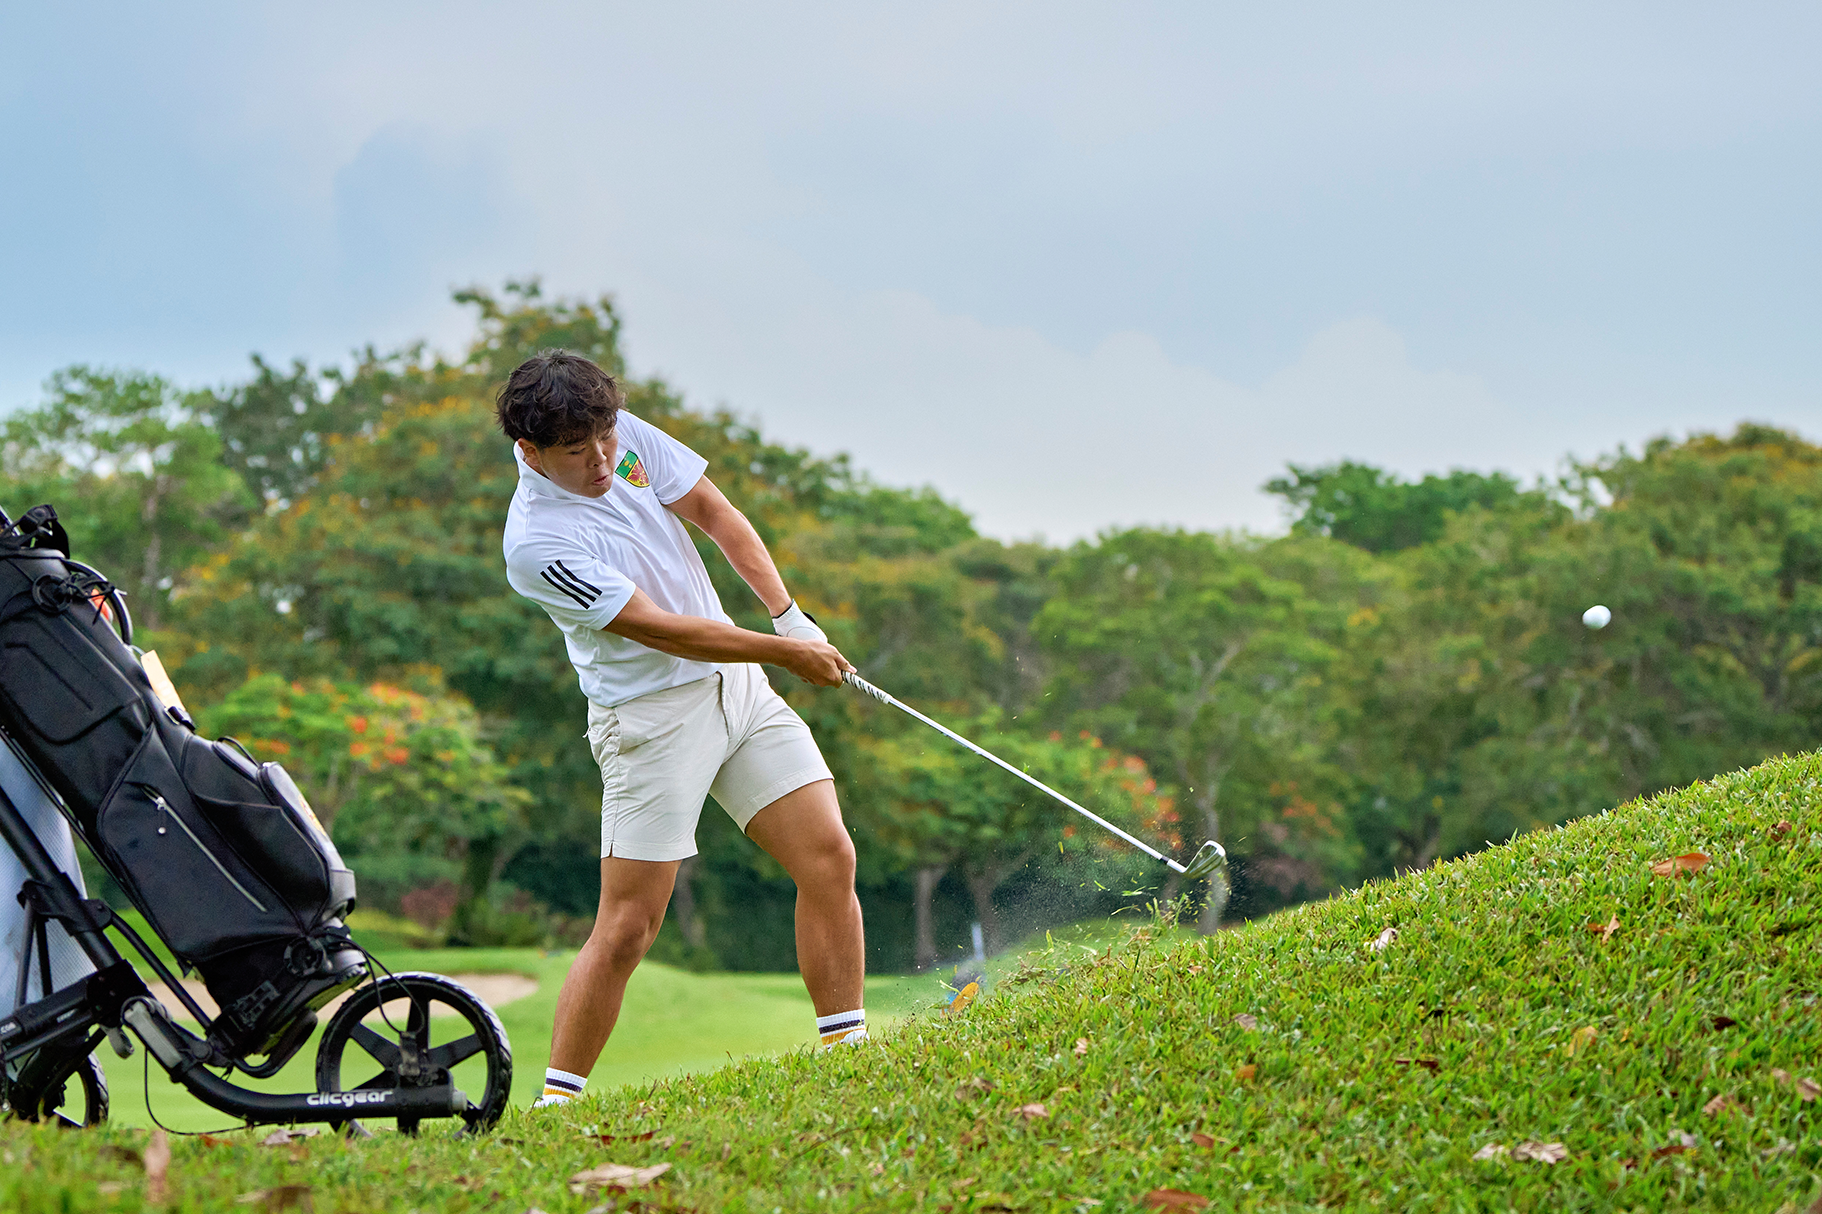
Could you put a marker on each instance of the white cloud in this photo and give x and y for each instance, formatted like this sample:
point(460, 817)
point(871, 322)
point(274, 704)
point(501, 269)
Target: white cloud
point(1039, 439)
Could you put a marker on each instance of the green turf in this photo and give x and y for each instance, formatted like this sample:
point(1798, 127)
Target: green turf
point(1360, 1079)
point(673, 1022)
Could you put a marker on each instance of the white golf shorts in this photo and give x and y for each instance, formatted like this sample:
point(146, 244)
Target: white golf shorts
point(729, 736)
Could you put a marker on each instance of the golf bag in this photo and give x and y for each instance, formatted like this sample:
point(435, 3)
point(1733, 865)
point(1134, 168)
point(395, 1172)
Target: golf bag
point(221, 854)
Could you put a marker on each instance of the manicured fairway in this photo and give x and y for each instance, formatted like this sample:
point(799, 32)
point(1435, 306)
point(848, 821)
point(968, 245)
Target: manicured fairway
point(674, 1022)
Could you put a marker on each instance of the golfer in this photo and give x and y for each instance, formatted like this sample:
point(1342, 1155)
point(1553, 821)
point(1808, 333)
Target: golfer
point(678, 708)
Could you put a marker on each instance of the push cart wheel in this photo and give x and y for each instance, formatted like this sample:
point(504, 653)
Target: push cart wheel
point(430, 1032)
point(70, 1090)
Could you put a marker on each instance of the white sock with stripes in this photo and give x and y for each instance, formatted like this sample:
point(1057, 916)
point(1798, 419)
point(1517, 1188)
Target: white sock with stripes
point(560, 1087)
point(843, 1028)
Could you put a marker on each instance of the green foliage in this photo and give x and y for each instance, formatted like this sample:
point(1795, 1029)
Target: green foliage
point(1209, 656)
point(939, 806)
point(1488, 708)
point(1373, 509)
point(276, 429)
point(135, 473)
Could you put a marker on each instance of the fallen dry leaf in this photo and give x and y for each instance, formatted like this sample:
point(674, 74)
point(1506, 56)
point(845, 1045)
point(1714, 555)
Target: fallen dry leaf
point(1722, 1022)
point(1384, 939)
point(1174, 1199)
point(1780, 1075)
point(1031, 1112)
point(1688, 862)
point(1429, 1064)
point(285, 1137)
point(1246, 1072)
point(1721, 1104)
point(605, 1139)
point(1247, 1021)
point(1681, 1143)
point(1081, 1047)
point(1808, 1090)
point(1492, 1150)
point(1581, 1039)
point(975, 1087)
point(158, 1167)
point(282, 1197)
point(1205, 1141)
point(1782, 829)
point(210, 1140)
point(617, 1175)
point(1541, 1152)
point(1605, 930)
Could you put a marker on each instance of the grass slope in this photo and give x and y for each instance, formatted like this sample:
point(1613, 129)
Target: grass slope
point(1538, 1030)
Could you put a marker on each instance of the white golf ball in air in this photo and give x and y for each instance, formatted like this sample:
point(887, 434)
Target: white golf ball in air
point(1597, 616)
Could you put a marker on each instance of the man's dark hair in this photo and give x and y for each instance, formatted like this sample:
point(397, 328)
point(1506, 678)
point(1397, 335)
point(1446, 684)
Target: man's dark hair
point(556, 397)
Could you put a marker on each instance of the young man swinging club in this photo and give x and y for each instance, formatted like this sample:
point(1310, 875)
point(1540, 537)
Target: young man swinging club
point(677, 707)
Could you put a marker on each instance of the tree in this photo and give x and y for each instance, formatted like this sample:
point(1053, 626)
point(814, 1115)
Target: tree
point(1487, 708)
point(135, 475)
point(277, 428)
point(1207, 656)
point(1373, 509)
point(949, 808)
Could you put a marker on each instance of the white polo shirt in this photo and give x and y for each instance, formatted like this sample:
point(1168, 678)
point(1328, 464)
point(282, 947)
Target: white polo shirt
point(579, 558)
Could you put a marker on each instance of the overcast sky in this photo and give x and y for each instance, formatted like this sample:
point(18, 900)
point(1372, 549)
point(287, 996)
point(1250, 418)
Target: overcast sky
point(1076, 266)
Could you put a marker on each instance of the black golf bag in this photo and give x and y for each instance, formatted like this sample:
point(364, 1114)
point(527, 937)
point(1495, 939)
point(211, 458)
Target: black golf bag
point(221, 854)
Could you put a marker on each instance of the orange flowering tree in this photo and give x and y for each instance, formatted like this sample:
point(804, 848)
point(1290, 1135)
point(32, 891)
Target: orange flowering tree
point(403, 778)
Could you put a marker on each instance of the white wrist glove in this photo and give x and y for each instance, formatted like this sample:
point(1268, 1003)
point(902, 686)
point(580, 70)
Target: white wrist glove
point(794, 622)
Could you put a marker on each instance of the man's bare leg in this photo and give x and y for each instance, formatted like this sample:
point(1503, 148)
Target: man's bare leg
point(634, 894)
point(803, 831)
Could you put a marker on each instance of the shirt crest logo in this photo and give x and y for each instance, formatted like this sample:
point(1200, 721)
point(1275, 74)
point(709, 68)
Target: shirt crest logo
point(632, 471)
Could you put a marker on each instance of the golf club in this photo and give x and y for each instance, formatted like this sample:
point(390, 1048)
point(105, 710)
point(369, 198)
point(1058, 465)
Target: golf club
point(1210, 858)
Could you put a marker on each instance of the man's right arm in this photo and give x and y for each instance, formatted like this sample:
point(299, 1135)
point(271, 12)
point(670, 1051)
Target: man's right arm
point(691, 637)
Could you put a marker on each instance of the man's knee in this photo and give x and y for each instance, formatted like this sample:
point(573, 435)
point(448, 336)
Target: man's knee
point(622, 934)
point(829, 862)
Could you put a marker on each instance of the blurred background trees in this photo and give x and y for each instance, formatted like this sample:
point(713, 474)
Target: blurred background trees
point(1402, 677)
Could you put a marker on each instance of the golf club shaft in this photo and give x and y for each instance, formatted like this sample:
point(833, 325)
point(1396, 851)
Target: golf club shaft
point(860, 684)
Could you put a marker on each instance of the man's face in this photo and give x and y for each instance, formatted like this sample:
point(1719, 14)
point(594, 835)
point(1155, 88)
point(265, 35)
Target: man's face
point(584, 468)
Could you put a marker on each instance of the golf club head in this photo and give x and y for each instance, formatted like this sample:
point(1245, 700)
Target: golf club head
point(1210, 859)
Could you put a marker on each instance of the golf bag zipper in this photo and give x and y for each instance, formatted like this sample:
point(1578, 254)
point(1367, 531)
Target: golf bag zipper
point(165, 807)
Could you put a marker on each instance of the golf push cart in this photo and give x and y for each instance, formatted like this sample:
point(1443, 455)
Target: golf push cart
point(229, 866)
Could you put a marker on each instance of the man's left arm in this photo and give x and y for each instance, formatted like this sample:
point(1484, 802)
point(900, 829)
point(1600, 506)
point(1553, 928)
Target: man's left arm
point(706, 506)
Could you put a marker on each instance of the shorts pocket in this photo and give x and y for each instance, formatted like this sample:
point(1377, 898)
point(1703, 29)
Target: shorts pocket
point(652, 716)
point(604, 738)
